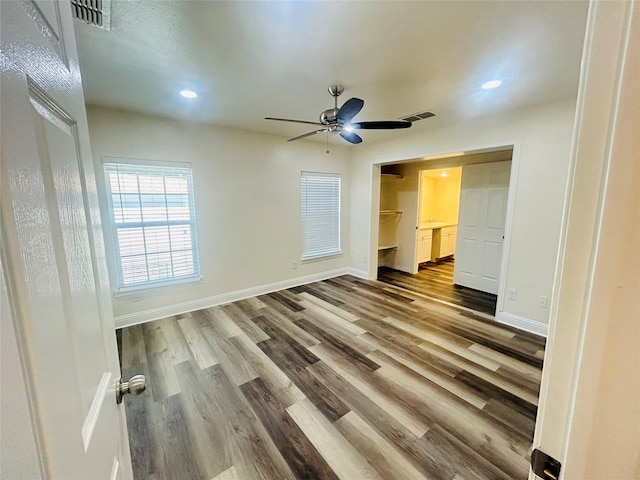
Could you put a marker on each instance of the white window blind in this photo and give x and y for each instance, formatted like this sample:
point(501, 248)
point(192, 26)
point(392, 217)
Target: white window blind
point(153, 221)
point(320, 214)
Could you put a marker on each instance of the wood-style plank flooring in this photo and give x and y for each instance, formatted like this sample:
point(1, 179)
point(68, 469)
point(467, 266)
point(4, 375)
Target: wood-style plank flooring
point(339, 379)
point(436, 280)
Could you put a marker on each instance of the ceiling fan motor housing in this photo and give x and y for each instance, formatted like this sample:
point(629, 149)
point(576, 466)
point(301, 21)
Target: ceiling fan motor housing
point(329, 116)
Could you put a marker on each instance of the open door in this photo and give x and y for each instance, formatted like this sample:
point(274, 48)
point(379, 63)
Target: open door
point(481, 222)
point(59, 354)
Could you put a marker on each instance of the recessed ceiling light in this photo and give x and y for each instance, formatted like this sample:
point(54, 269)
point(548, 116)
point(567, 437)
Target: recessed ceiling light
point(188, 94)
point(444, 174)
point(491, 84)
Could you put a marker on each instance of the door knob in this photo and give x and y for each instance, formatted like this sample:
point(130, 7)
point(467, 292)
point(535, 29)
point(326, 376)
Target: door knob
point(135, 386)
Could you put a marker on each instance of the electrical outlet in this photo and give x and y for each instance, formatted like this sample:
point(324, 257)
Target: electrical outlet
point(294, 264)
point(543, 301)
point(512, 294)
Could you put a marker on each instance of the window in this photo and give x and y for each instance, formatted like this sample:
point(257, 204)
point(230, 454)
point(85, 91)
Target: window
point(320, 214)
point(153, 222)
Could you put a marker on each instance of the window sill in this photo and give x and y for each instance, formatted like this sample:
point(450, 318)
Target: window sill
point(318, 258)
point(134, 290)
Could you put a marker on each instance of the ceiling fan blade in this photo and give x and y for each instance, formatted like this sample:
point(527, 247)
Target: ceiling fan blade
point(306, 134)
point(381, 125)
point(290, 120)
point(349, 110)
point(351, 137)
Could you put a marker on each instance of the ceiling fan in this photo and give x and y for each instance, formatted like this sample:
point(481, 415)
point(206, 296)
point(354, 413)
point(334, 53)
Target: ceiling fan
point(339, 120)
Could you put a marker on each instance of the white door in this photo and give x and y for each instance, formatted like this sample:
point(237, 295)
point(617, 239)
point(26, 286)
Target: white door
point(483, 206)
point(58, 318)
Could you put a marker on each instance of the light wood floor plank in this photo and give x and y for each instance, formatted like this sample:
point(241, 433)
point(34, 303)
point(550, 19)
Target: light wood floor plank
point(381, 454)
point(328, 306)
point(344, 459)
point(468, 395)
point(229, 474)
point(199, 347)
point(413, 423)
point(276, 380)
point(231, 360)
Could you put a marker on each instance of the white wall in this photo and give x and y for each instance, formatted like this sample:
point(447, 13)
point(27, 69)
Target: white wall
point(447, 197)
point(541, 136)
point(428, 199)
point(247, 197)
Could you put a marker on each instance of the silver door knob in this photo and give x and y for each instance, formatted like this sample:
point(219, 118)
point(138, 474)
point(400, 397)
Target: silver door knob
point(135, 386)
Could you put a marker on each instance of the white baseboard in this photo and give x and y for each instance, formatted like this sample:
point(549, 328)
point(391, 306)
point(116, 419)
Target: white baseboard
point(522, 323)
point(176, 309)
point(357, 273)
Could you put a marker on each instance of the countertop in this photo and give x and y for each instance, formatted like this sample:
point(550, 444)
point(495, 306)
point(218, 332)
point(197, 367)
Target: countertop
point(434, 225)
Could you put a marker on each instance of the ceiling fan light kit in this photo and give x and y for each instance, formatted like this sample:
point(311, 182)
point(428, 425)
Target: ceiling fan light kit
point(338, 120)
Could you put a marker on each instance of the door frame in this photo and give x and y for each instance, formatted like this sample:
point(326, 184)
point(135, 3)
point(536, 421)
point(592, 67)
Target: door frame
point(588, 277)
point(447, 160)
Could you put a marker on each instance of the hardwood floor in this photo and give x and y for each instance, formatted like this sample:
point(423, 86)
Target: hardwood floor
point(436, 280)
point(339, 379)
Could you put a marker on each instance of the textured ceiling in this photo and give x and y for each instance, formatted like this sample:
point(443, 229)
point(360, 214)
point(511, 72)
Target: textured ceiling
point(248, 60)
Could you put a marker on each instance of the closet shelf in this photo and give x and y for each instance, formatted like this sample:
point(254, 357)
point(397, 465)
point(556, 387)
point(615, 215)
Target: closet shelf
point(387, 247)
point(392, 175)
point(390, 212)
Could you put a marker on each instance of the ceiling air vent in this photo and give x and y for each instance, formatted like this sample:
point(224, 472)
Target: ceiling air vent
point(93, 12)
point(418, 116)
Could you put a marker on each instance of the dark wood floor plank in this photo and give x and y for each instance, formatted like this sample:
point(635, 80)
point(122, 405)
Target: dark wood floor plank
point(231, 360)
point(343, 378)
point(326, 338)
point(133, 346)
point(301, 456)
point(317, 293)
point(282, 300)
point(293, 364)
point(436, 280)
point(205, 420)
point(247, 443)
point(243, 319)
point(385, 424)
point(279, 339)
point(178, 458)
point(343, 458)
point(274, 378)
point(403, 408)
point(286, 325)
point(141, 423)
point(501, 395)
point(506, 382)
point(473, 427)
point(451, 453)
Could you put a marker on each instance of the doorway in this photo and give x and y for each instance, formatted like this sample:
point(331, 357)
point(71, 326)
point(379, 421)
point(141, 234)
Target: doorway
point(423, 248)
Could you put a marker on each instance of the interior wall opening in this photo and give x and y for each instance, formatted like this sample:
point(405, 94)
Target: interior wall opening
point(442, 236)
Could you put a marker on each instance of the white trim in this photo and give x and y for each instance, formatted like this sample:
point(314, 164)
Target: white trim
point(358, 273)
point(89, 424)
point(522, 323)
point(170, 310)
point(115, 467)
point(508, 227)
